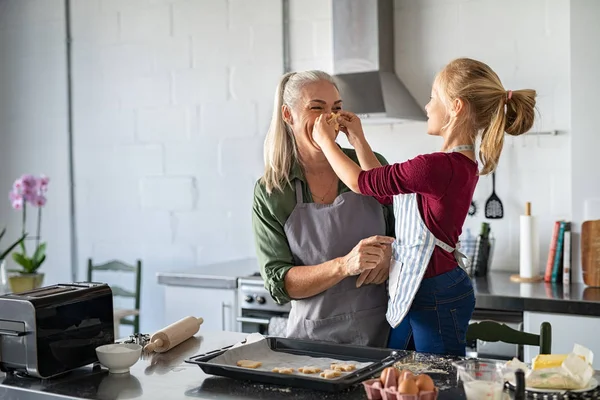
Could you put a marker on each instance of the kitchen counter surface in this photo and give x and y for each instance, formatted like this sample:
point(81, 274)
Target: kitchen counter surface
point(216, 276)
point(498, 292)
point(166, 376)
point(495, 292)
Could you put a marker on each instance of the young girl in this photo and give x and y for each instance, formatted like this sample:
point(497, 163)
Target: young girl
point(431, 297)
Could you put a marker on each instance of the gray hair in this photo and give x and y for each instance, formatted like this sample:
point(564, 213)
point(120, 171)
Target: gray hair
point(280, 151)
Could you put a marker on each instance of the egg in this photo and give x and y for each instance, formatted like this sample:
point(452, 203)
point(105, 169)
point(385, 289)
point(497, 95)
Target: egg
point(408, 386)
point(424, 383)
point(389, 371)
point(405, 374)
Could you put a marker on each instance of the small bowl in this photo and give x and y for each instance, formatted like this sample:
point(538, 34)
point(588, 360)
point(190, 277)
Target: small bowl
point(118, 358)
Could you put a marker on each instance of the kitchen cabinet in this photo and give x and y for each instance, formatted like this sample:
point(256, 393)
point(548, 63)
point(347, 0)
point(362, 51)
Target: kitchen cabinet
point(218, 307)
point(566, 331)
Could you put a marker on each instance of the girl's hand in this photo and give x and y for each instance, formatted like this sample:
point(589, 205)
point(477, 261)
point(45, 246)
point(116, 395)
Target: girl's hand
point(324, 130)
point(350, 124)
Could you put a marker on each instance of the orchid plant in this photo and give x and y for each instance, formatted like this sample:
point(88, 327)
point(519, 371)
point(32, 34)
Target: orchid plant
point(30, 190)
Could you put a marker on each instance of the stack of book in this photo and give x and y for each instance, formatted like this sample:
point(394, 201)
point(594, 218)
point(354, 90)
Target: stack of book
point(558, 266)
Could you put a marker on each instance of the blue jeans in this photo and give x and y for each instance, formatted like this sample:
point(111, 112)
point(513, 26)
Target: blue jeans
point(439, 315)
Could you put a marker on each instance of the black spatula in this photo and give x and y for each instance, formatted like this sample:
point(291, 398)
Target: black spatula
point(493, 205)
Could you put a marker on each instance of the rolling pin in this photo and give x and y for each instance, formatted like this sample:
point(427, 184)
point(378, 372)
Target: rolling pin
point(169, 337)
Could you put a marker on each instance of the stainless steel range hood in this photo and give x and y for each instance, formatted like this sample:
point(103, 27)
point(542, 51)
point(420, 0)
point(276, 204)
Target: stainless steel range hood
point(363, 63)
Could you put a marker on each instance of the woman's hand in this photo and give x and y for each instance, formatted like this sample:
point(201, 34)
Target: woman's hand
point(367, 255)
point(324, 130)
point(350, 124)
point(380, 273)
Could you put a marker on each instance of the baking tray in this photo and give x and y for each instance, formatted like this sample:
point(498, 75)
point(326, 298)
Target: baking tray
point(380, 359)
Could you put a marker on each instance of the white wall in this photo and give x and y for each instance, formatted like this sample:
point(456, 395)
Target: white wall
point(33, 123)
point(585, 87)
point(527, 43)
point(172, 101)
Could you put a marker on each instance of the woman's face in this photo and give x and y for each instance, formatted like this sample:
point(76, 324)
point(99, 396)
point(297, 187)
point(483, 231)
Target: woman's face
point(437, 115)
point(315, 99)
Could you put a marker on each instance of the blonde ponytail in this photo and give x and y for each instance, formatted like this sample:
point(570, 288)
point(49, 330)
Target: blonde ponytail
point(490, 109)
point(280, 152)
point(514, 115)
point(280, 147)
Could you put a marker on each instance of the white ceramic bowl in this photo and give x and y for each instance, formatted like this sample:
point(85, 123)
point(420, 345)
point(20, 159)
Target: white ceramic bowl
point(119, 357)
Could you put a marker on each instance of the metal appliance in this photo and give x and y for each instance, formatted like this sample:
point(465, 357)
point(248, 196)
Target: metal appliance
point(364, 62)
point(55, 329)
point(258, 312)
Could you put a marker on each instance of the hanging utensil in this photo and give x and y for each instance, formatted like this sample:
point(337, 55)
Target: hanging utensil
point(472, 208)
point(493, 205)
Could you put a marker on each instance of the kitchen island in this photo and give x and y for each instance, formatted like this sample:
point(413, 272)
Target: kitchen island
point(167, 377)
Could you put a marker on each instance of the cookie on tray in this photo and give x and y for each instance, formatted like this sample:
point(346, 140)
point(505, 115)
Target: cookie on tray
point(248, 364)
point(343, 367)
point(330, 374)
point(309, 370)
point(284, 370)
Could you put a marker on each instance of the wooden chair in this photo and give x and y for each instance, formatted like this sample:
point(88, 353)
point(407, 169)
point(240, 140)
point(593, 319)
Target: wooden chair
point(490, 331)
point(122, 316)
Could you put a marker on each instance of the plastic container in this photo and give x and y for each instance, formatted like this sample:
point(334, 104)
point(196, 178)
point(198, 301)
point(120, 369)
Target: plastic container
point(481, 379)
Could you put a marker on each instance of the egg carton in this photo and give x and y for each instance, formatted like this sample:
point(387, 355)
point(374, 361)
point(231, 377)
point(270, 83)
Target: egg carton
point(388, 391)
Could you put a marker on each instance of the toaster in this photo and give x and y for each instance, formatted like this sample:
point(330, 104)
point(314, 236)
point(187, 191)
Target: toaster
point(54, 329)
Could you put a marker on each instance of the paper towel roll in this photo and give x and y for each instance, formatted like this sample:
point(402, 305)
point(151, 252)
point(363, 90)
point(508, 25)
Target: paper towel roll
point(529, 252)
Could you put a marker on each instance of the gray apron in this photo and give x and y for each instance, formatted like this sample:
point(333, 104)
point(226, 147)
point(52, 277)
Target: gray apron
point(321, 232)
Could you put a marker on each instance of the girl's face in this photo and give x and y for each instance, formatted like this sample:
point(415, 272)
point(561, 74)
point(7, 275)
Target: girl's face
point(437, 114)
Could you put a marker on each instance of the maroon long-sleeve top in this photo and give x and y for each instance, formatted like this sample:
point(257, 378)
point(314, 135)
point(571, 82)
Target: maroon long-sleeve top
point(444, 184)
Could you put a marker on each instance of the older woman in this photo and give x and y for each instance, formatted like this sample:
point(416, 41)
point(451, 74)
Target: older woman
point(319, 245)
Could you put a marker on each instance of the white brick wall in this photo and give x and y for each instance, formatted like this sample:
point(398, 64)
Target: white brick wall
point(169, 129)
point(164, 172)
point(527, 43)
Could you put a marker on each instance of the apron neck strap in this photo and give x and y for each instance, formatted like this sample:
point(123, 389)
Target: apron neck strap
point(299, 197)
point(464, 147)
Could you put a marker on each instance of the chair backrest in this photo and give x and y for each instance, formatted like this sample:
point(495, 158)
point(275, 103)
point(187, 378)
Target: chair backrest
point(118, 291)
point(491, 331)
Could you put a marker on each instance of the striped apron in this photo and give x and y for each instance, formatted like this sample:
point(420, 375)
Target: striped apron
point(412, 251)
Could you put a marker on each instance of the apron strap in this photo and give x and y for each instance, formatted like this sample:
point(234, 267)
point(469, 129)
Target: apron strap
point(463, 147)
point(458, 255)
point(299, 197)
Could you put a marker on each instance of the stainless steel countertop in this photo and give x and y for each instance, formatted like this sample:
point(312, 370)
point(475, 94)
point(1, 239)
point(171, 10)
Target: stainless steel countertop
point(165, 376)
point(217, 276)
point(496, 291)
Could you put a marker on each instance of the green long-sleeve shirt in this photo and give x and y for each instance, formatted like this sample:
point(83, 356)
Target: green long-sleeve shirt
point(269, 214)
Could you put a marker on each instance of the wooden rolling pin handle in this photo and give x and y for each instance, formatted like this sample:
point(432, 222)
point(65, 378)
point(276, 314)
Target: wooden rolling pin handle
point(153, 345)
point(528, 208)
point(174, 334)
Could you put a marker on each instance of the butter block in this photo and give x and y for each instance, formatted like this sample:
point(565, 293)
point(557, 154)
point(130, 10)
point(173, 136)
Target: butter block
point(542, 361)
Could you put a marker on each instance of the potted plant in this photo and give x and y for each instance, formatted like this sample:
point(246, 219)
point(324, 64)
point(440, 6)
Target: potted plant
point(29, 190)
point(3, 255)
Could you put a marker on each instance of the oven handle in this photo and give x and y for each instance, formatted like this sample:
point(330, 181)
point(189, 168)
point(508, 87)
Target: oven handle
point(6, 332)
point(260, 321)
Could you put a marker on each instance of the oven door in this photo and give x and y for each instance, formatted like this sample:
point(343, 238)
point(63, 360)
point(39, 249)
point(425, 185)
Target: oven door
point(264, 322)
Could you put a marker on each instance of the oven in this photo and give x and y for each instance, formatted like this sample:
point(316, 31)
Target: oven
point(258, 312)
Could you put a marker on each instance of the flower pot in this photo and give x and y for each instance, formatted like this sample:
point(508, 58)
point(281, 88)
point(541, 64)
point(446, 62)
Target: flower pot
point(24, 282)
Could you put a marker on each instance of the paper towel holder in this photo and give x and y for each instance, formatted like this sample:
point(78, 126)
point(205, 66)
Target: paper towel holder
point(516, 277)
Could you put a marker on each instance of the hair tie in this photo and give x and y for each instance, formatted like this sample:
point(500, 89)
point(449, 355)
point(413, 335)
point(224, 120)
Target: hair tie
point(509, 95)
